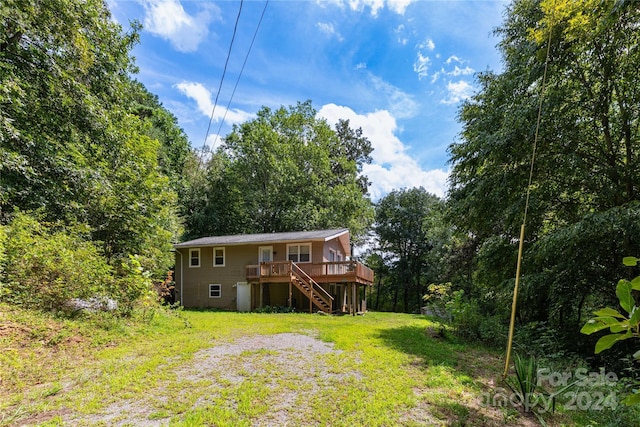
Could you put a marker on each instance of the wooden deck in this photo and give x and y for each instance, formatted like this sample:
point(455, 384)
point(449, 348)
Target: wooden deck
point(326, 272)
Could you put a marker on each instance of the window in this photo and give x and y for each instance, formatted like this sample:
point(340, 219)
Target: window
point(299, 252)
point(194, 258)
point(215, 291)
point(218, 257)
point(332, 268)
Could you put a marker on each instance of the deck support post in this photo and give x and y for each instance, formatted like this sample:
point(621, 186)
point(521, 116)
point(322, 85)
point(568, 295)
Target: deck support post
point(290, 294)
point(261, 293)
point(354, 298)
point(345, 291)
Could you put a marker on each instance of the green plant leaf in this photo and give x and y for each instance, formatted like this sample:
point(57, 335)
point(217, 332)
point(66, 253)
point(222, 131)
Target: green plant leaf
point(597, 324)
point(623, 291)
point(609, 312)
point(635, 283)
point(608, 341)
point(633, 399)
point(635, 316)
point(636, 355)
point(630, 261)
point(620, 327)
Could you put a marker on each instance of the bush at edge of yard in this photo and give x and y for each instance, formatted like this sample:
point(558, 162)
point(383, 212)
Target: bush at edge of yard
point(44, 266)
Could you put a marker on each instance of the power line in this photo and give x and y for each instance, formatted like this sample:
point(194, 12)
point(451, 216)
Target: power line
point(224, 71)
point(240, 75)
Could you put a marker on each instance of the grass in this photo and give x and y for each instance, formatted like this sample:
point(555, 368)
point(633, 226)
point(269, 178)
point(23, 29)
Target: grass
point(381, 369)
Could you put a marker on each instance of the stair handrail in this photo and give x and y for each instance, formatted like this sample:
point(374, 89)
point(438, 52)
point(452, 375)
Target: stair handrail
point(297, 271)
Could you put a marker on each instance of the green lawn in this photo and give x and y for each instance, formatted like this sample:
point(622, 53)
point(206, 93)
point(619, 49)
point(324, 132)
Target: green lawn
point(211, 368)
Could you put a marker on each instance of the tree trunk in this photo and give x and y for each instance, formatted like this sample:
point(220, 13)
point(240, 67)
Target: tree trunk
point(378, 286)
point(405, 297)
point(395, 299)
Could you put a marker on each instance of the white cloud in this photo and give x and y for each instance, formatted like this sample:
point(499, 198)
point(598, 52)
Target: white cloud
point(397, 6)
point(402, 39)
point(435, 76)
point(458, 91)
point(202, 96)
point(214, 141)
point(421, 65)
point(457, 71)
point(361, 66)
point(392, 167)
point(401, 104)
point(169, 20)
point(328, 29)
point(454, 58)
point(427, 44)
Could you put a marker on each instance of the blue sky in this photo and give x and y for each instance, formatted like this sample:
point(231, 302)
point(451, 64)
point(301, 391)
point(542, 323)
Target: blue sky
point(397, 69)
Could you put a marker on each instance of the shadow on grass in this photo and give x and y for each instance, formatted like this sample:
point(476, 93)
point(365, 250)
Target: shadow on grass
point(449, 383)
point(415, 341)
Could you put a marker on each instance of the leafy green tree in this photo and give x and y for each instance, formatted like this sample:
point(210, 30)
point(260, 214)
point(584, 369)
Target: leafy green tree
point(583, 206)
point(409, 224)
point(281, 171)
point(174, 151)
point(75, 143)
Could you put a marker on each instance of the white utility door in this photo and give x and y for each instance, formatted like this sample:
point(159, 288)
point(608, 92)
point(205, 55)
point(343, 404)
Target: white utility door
point(243, 296)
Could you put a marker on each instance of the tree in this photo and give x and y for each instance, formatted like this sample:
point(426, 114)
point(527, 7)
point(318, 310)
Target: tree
point(285, 170)
point(73, 142)
point(583, 203)
point(408, 225)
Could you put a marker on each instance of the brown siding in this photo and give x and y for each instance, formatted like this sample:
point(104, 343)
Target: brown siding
point(336, 246)
point(196, 280)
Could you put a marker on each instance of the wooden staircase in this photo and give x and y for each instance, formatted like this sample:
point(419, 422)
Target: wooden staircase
point(311, 289)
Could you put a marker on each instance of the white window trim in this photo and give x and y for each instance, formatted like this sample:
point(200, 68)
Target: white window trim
point(261, 248)
point(299, 245)
point(199, 258)
point(224, 256)
point(219, 290)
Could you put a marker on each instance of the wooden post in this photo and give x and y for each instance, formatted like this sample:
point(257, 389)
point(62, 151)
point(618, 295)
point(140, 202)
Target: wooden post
point(310, 298)
point(344, 298)
point(290, 294)
point(354, 298)
point(261, 293)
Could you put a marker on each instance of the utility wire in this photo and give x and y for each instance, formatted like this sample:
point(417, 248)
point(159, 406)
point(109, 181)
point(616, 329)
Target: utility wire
point(526, 208)
point(240, 75)
point(224, 71)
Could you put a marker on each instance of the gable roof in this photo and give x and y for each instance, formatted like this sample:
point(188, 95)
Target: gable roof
point(263, 238)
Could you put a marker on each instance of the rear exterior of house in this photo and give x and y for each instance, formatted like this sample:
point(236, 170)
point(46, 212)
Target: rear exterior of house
point(308, 270)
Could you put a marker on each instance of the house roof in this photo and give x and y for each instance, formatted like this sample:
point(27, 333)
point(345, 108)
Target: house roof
point(247, 239)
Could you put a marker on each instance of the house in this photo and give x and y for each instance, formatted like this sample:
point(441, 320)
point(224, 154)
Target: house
point(307, 270)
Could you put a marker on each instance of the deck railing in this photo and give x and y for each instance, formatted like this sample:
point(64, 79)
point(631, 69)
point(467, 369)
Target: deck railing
point(325, 272)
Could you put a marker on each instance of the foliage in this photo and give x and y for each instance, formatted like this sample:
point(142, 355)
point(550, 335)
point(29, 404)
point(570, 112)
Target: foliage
point(47, 265)
point(583, 210)
point(621, 325)
point(3, 255)
point(411, 233)
point(79, 138)
point(525, 383)
point(275, 309)
point(50, 264)
point(473, 323)
point(284, 170)
point(437, 298)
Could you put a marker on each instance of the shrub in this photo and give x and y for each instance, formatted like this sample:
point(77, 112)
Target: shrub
point(133, 283)
point(47, 265)
point(471, 323)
